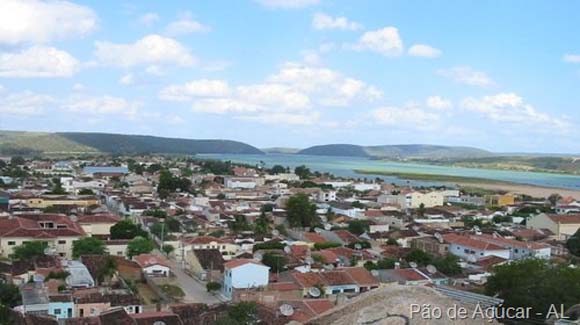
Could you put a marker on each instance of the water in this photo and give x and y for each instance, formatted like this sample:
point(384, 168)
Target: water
point(345, 166)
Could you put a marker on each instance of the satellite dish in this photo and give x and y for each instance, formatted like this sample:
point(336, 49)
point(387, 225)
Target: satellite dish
point(317, 230)
point(275, 233)
point(329, 267)
point(258, 256)
point(357, 246)
point(287, 249)
point(375, 273)
point(431, 269)
point(287, 310)
point(328, 227)
point(438, 237)
point(309, 260)
point(413, 264)
point(314, 292)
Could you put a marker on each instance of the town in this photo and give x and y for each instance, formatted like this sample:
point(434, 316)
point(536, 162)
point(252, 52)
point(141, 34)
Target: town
point(152, 239)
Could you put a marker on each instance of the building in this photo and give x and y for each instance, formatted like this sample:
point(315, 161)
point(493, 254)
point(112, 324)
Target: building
point(98, 225)
point(430, 245)
point(153, 265)
point(244, 274)
point(206, 264)
point(499, 200)
point(79, 275)
point(35, 298)
point(57, 230)
point(226, 248)
point(473, 250)
point(563, 226)
point(61, 306)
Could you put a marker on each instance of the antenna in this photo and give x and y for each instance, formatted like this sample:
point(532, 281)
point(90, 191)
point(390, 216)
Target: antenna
point(375, 273)
point(258, 256)
point(413, 264)
point(309, 260)
point(317, 230)
point(287, 310)
point(314, 292)
point(431, 269)
point(275, 233)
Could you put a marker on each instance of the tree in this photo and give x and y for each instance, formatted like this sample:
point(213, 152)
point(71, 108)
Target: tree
point(448, 265)
point(139, 245)
point(57, 188)
point(126, 229)
point(277, 169)
point(386, 263)
point(88, 246)
point(554, 198)
point(86, 191)
point(157, 213)
point(300, 211)
point(167, 249)
point(244, 313)
point(302, 171)
point(9, 295)
point(325, 245)
point(262, 225)
point(357, 205)
point(358, 227)
point(573, 244)
point(29, 251)
point(17, 161)
point(276, 262)
point(536, 284)
point(420, 257)
point(239, 224)
point(213, 286)
point(421, 210)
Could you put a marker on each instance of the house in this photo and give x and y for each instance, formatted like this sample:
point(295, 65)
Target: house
point(472, 249)
point(499, 200)
point(346, 209)
point(117, 247)
point(90, 302)
point(98, 225)
point(431, 245)
point(153, 265)
point(563, 226)
point(35, 298)
point(518, 249)
point(79, 275)
point(57, 230)
point(226, 248)
point(61, 306)
point(349, 280)
point(326, 196)
point(412, 276)
point(244, 274)
point(206, 264)
point(241, 182)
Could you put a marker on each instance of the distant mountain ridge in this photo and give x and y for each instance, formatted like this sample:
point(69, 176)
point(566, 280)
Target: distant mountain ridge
point(30, 143)
point(396, 151)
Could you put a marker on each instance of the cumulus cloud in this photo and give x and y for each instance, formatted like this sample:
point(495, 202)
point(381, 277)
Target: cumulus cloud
point(36, 21)
point(322, 21)
point(151, 49)
point(287, 4)
point(511, 108)
point(467, 75)
point(184, 26)
point(571, 58)
point(127, 79)
point(102, 105)
point(285, 118)
point(196, 88)
point(424, 51)
point(405, 116)
point(439, 103)
point(24, 103)
point(149, 19)
point(385, 41)
point(38, 61)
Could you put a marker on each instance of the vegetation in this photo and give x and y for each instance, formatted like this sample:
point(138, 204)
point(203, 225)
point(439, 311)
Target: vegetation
point(172, 291)
point(169, 184)
point(262, 225)
point(448, 265)
point(269, 246)
point(383, 264)
point(61, 275)
point(430, 177)
point(396, 152)
point(243, 313)
point(86, 191)
point(276, 262)
point(300, 211)
point(213, 286)
point(29, 251)
point(139, 245)
point(88, 246)
point(573, 244)
point(167, 249)
point(126, 229)
point(9, 295)
point(303, 172)
point(325, 245)
point(57, 187)
point(358, 227)
point(535, 283)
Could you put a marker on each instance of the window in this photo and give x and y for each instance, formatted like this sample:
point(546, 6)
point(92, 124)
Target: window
point(57, 311)
point(11, 243)
point(61, 242)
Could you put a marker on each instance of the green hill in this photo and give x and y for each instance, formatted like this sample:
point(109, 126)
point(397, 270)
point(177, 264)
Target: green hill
point(30, 143)
point(395, 151)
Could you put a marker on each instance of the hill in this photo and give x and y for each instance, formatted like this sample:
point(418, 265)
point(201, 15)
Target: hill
point(396, 151)
point(30, 143)
point(281, 150)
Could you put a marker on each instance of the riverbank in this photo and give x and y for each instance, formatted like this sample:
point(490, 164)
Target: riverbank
point(481, 183)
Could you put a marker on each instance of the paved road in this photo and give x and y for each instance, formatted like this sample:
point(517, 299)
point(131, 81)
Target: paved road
point(195, 292)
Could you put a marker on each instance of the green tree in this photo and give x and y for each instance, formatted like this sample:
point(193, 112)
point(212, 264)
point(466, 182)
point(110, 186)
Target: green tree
point(213, 286)
point(448, 265)
point(244, 313)
point(86, 191)
point(277, 169)
point(386, 263)
point(358, 227)
point(554, 198)
point(262, 225)
point(139, 245)
point(421, 210)
point(9, 295)
point(167, 249)
point(276, 262)
point(420, 257)
point(239, 224)
point(88, 246)
point(106, 269)
point(126, 229)
point(57, 187)
point(573, 244)
point(535, 283)
point(300, 211)
point(303, 172)
point(29, 251)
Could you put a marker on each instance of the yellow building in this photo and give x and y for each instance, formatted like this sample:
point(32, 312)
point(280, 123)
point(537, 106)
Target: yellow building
point(499, 200)
point(48, 201)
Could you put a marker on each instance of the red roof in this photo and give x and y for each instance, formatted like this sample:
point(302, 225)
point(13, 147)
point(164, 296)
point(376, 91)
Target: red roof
point(565, 218)
point(99, 218)
point(239, 262)
point(147, 260)
point(469, 242)
point(362, 276)
point(314, 237)
point(30, 226)
point(410, 274)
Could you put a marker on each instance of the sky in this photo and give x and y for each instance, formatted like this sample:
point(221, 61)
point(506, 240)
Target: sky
point(499, 75)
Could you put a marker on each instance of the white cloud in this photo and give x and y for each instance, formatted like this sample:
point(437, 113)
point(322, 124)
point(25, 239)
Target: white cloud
point(284, 118)
point(287, 4)
point(571, 58)
point(78, 87)
point(127, 79)
point(24, 103)
point(424, 51)
point(511, 108)
point(35, 21)
point(274, 95)
point(467, 75)
point(385, 41)
point(405, 117)
point(149, 19)
point(224, 105)
point(322, 21)
point(184, 26)
point(102, 105)
point(39, 62)
point(219, 65)
point(439, 103)
point(196, 88)
point(151, 49)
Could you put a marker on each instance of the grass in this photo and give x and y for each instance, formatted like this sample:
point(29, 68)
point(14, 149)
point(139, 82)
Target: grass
point(16, 142)
point(172, 291)
point(431, 177)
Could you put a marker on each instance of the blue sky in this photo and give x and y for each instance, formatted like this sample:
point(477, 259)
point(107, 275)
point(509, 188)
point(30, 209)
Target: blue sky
point(500, 75)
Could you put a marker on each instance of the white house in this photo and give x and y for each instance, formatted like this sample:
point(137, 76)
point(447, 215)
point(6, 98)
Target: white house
point(240, 182)
point(326, 196)
point(563, 226)
point(153, 265)
point(363, 187)
point(473, 250)
point(244, 274)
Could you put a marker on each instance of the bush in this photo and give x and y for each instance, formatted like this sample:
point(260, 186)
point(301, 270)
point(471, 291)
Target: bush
point(325, 245)
point(213, 286)
point(269, 245)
